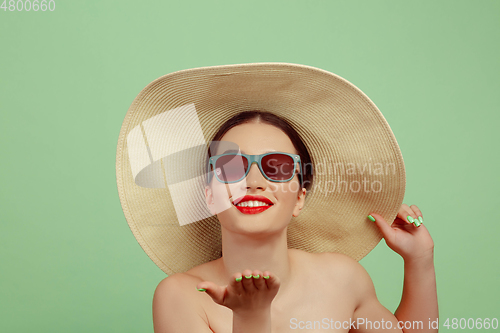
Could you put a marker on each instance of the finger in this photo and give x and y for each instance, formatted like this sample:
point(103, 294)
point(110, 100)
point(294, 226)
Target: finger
point(236, 284)
point(400, 222)
point(382, 225)
point(258, 280)
point(272, 281)
point(418, 212)
point(213, 290)
point(406, 211)
point(247, 282)
point(407, 227)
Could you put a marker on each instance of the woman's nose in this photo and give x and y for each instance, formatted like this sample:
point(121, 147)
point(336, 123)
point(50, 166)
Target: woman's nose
point(255, 178)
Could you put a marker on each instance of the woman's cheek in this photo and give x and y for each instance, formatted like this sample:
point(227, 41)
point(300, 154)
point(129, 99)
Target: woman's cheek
point(220, 198)
point(289, 193)
point(222, 194)
point(274, 187)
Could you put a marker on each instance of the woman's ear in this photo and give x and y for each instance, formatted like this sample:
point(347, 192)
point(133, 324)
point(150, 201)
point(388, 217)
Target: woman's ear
point(209, 199)
point(300, 202)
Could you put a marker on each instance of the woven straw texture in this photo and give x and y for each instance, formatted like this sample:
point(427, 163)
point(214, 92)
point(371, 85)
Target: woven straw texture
point(341, 127)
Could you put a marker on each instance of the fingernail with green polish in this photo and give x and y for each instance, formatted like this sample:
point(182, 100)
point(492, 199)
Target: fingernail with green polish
point(256, 276)
point(421, 219)
point(239, 279)
point(201, 289)
point(371, 218)
point(248, 277)
point(410, 219)
point(266, 277)
point(417, 223)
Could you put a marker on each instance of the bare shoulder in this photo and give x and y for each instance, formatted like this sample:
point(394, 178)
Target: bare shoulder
point(348, 266)
point(177, 305)
point(330, 265)
point(174, 292)
point(176, 283)
point(187, 281)
point(184, 284)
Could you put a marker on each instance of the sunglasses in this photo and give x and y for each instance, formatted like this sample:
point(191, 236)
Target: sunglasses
point(233, 167)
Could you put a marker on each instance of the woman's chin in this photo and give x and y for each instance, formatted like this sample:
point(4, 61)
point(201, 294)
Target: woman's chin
point(257, 223)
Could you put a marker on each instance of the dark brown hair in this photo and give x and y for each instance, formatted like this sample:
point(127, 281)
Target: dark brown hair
point(280, 123)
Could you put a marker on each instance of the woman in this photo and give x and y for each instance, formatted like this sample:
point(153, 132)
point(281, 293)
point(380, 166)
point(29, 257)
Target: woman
point(258, 277)
point(290, 262)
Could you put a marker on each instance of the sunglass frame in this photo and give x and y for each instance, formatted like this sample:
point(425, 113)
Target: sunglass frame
point(254, 159)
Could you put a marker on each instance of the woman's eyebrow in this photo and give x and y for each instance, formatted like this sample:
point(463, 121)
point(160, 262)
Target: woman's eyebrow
point(231, 151)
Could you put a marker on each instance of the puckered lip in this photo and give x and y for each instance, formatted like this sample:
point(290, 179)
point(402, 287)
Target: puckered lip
point(253, 198)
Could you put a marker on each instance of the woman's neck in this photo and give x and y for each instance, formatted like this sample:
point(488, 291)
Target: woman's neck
point(246, 251)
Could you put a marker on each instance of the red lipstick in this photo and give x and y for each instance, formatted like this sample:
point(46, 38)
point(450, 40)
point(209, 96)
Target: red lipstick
point(252, 210)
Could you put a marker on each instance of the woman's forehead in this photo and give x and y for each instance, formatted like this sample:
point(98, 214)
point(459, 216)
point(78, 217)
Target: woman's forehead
point(258, 138)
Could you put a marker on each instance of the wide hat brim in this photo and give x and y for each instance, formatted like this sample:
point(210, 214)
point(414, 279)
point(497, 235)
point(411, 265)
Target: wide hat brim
point(358, 166)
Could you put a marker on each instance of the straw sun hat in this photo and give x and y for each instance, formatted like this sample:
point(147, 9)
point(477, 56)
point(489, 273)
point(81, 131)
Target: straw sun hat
point(162, 150)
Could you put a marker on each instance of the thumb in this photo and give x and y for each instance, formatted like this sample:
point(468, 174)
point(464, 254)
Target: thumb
point(216, 292)
point(382, 225)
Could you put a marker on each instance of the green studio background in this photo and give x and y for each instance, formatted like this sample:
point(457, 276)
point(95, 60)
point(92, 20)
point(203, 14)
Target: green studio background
point(67, 78)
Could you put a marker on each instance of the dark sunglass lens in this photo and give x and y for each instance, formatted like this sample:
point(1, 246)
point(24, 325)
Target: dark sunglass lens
point(230, 168)
point(278, 166)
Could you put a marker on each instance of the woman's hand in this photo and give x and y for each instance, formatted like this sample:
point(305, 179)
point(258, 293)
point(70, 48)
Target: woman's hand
point(404, 237)
point(249, 293)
